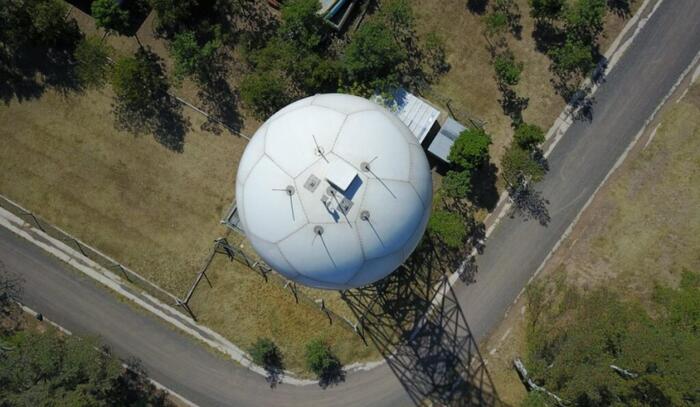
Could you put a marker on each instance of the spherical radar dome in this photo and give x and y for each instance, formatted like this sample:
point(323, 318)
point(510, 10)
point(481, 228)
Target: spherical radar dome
point(334, 191)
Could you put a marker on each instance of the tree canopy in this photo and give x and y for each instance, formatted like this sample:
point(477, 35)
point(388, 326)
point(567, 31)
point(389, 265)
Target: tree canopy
point(528, 136)
point(571, 350)
point(91, 56)
point(518, 164)
point(110, 15)
point(45, 369)
point(373, 56)
point(449, 227)
point(471, 149)
point(547, 9)
point(321, 360)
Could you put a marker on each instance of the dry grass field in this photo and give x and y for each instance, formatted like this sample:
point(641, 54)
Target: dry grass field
point(643, 229)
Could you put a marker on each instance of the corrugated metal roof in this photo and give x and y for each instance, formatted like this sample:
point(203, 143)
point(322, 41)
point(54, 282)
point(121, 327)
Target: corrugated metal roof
point(418, 115)
point(442, 143)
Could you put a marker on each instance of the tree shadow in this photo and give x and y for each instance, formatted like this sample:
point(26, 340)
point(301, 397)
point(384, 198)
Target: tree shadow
point(332, 376)
point(528, 203)
point(512, 104)
point(219, 100)
point(620, 7)
point(28, 71)
point(484, 193)
point(134, 389)
point(161, 116)
point(274, 369)
point(413, 318)
point(547, 36)
point(477, 6)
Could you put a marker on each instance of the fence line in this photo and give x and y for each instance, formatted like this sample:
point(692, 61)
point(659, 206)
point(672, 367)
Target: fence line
point(85, 249)
point(221, 246)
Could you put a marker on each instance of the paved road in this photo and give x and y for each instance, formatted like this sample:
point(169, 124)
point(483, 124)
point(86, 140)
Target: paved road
point(583, 157)
point(580, 161)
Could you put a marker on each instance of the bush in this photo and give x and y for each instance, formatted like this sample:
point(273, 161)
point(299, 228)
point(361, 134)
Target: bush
point(109, 15)
point(448, 227)
point(471, 149)
point(518, 164)
point(457, 184)
point(320, 360)
point(266, 354)
point(191, 58)
point(373, 56)
point(264, 92)
point(573, 58)
point(507, 69)
point(92, 55)
point(546, 9)
point(528, 136)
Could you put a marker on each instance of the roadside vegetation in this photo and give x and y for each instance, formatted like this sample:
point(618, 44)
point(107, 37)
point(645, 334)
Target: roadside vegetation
point(41, 366)
point(97, 143)
point(623, 290)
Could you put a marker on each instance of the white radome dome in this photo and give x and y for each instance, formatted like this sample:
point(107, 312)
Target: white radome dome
point(334, 192)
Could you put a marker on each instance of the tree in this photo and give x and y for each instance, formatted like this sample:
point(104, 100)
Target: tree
point(194, 60)
point(302, 25)
point(457, 184)
point(398, 16)
point(546, 9)
point(584, 20)
point(572, 348)
point(265, 353)
point(264, 92)
point(46, 369)
point(449, 227)
point(518, 164)
point(373, 55)
point(48, 22)
point(322, 362)
point(92, 57)
point(528, 136)
point(496, 24)
point(110, 15)
point(471, 149)
point(174, 16)
point(139, 84)
point(573, 58)
point(507, 69)
point(142, 102)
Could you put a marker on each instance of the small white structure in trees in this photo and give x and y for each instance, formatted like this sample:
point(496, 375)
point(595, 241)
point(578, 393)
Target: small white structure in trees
point(334, 191)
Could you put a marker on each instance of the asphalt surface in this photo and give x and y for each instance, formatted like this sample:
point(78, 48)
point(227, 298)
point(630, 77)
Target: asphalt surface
point(633, 89)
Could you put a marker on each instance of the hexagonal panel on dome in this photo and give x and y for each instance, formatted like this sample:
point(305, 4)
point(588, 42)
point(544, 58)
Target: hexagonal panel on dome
point(253, 151)
point(346, 104)
point(368, 137)
point(292, 138)
point(332, 256)
point(270, 212)
point(395, 210)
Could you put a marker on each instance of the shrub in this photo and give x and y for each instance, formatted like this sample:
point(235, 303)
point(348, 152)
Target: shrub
point(507, 69)
point(448, 227)
point(528, 136)
point(92, 55)
point(320, 359)
point(266, 354)
point(471, 149)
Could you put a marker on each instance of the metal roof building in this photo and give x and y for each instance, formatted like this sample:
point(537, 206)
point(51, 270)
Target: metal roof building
point(442, 143)
point(334, 191)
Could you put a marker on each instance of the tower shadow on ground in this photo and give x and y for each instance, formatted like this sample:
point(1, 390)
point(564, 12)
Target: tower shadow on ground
point(413, 318)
